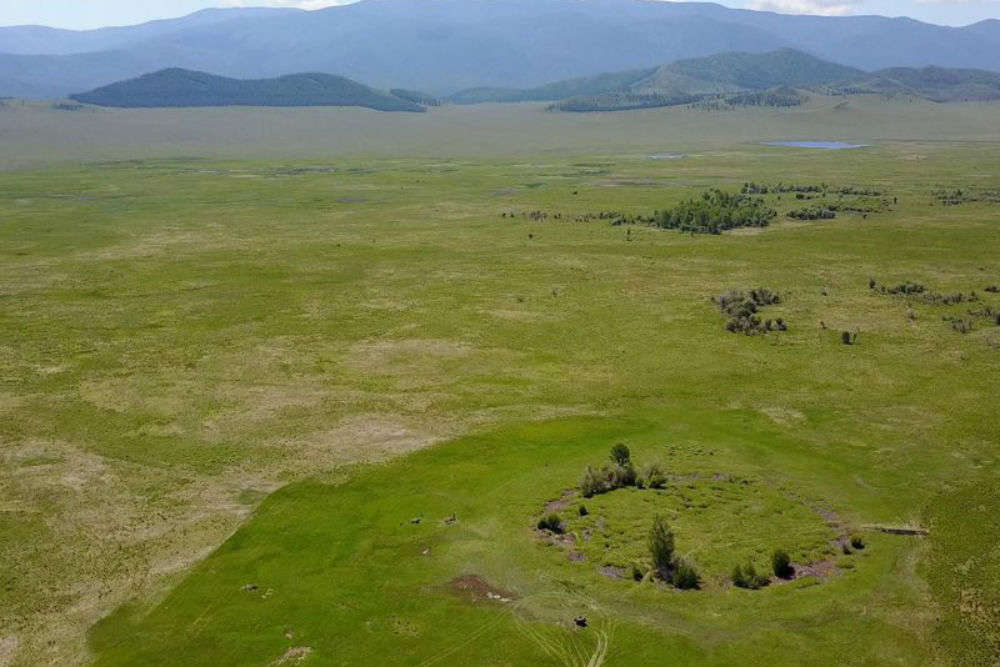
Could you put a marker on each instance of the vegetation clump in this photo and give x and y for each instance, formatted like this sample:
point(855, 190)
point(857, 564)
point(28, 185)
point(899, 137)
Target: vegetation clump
point(746, 576)
point(619, 474)
point(743, 309)
point(679, 572)
point(956, 196)
point(715, 212)
point(551, 523)
point(781, 564)
point(812, 213)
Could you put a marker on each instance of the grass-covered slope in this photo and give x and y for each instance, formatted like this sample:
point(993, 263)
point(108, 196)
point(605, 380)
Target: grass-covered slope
point(184, 88)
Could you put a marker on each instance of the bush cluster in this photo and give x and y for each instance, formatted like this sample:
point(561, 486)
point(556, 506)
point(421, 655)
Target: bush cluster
point(746, 576)
point(715, 212)
point(619, 474)
point(742, 309)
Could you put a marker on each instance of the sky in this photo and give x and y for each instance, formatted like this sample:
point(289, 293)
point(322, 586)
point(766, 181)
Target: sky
point(85, 14)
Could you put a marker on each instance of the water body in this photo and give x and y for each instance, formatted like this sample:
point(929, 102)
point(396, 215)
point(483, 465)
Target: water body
point(825, 145)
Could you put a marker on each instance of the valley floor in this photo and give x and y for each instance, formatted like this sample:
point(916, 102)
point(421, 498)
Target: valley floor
point(222, 369)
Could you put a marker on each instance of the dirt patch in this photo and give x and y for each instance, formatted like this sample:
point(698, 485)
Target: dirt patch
point(294, 655)
point(612, 572)
point(475, 589)
point(576, 557)
point(8, 647)
point(783, 416)
point(560, 504)
point(821, 569)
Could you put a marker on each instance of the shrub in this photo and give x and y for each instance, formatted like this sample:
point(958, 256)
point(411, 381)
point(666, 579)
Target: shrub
point(845, 338)
point(592, 483)
point(781, 563)
point(551, 523)
point(653, 477)
point(684, 575)
point(661, 545)
point(857, 542)
point(962, 326)
point(746, 576)
point(584, 511)
point(621, 455)
point(622, 476)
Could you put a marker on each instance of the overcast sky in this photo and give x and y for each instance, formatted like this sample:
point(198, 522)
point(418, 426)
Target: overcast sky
point(81, 14)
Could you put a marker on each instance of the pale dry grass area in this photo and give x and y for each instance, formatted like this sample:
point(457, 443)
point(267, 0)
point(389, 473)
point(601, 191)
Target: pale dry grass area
point(109, 542)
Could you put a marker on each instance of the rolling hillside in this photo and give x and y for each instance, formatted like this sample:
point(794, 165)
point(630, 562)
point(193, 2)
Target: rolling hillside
point(745, 79)
point(440, 46)
point(937, 84)
point(684, 79)
point(184, 88)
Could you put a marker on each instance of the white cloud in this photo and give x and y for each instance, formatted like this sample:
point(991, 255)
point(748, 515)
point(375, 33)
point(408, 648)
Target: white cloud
point(817, 7)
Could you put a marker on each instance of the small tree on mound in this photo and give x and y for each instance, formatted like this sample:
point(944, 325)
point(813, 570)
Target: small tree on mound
point(621, 455)
point(661, 546)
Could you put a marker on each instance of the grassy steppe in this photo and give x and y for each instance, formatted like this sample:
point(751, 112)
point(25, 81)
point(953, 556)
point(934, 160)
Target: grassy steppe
point(180, 338)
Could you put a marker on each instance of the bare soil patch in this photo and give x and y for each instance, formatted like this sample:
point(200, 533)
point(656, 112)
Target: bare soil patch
point(474, 588)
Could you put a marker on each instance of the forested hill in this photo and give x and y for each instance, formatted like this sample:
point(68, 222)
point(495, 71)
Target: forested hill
point(185, 88)
point(937, 84)
point(776, 79)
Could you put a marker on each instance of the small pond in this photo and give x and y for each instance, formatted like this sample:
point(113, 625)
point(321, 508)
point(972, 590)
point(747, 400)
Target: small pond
point(825, 145)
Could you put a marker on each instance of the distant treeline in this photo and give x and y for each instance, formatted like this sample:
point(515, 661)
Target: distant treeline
point(623, 102)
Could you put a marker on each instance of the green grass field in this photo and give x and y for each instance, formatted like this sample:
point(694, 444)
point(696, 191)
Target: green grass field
point(230, 381)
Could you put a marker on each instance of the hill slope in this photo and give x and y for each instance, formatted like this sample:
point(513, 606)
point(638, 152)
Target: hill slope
point(712, 75)
point(440, 46)
point(937, 84)
point(765, 79)
point(183, 88)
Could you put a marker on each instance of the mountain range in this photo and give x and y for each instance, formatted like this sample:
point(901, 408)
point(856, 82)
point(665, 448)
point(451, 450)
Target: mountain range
point(441, 46)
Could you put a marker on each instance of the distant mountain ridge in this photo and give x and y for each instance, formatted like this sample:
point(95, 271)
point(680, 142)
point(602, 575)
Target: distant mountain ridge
point(184, 88)
point(440, 46)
